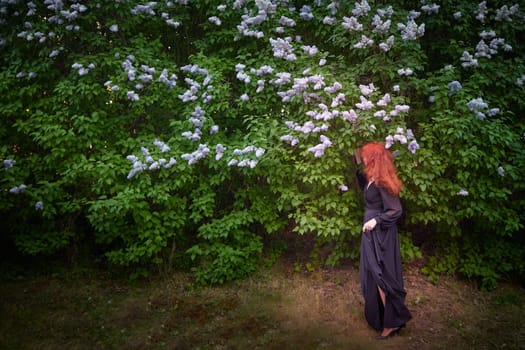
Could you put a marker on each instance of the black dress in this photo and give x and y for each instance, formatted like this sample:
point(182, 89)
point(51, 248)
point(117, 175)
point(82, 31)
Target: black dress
point(380, 263)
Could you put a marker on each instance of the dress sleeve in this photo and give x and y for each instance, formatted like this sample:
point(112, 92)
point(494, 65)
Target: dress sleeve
point(392, 209)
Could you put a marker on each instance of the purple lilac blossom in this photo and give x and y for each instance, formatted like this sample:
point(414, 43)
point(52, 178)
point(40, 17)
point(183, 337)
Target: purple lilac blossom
point(380, 26)
point(367, 90)
point(481, 11)
point(306, 13)
point(350, 115)
point(365, 42)
point(405, 71)
point(505, 13)
point(18, 189)
point(161, 145)
point(352, 24)
point(430, 9)
point(364, 104)
point(388, 44)
point(413, 146)
point(9, 163)
point(361, 9)
point(410, 30)
point(468, 60)
point(454, 86)
point(192, 158)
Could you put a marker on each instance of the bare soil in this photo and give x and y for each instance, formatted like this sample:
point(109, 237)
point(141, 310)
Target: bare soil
point(277, 308)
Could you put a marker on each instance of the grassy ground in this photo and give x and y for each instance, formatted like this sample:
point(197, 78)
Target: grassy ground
point(277, 308)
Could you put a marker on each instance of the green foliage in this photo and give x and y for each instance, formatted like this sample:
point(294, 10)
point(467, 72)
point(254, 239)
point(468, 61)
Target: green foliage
point(70, 117)
point(409, 252)
point(229, 250)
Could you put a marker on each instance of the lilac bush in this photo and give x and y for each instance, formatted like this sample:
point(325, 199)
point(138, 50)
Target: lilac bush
point(194, 126)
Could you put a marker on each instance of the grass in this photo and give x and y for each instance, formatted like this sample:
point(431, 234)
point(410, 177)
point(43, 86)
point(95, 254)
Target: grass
point(278, 308)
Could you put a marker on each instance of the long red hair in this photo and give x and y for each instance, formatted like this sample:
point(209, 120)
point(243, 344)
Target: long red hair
point(379, 166)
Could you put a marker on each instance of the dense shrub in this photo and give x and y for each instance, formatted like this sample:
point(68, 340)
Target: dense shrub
point(161, 130)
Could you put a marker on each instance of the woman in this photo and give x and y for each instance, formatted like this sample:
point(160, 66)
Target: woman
point(380, 267)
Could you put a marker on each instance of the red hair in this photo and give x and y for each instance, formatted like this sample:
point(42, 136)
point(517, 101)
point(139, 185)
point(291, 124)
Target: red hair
point(379, 166)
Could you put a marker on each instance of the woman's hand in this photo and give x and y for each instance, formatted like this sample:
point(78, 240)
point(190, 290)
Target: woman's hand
point(369, 225)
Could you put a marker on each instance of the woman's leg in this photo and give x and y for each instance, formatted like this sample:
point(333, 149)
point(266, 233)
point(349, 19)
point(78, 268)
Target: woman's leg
point(386, 331)
point(382, 295)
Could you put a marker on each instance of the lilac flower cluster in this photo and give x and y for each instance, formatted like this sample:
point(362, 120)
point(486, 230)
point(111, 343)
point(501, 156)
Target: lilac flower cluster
point(365, 104)
point(481, 11)
point(299, 87)
point(504, 13)
point(405, 71)
point(306, 13)
point(364, 43)
point(18, 189)
point(287, 22)
point(81, 70)
point(462, 193)
point(197, 119)
point(194, 86)
point(324, 113)
point(361, 9)
point(343, 188)
point(192, 158)
point(143, 75)
point(282, 48)
point(430, 9)
point(219, 151)
point(352, 24)
point(481, 109)
point(290, 139)
point(148, 9)
point(145, 9)
point(23, 74)
point(319, 149)
point(264, 9)
point(148, 162)
point(489, 43)
point(8, 164)
point(29, 34)
point(243, 160)
point(61, 13)
point(325, 110)
point(487, 50)
point(410, 30)
point(454, 86)
point(215, 20)
point(468, 60)
point(402, 137)
point(382, 26)
point(329, 20)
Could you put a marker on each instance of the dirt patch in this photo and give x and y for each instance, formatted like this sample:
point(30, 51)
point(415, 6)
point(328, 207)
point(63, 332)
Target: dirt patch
point(277, 308)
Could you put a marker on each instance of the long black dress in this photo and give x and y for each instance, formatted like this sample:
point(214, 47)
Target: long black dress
point(380, 263)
